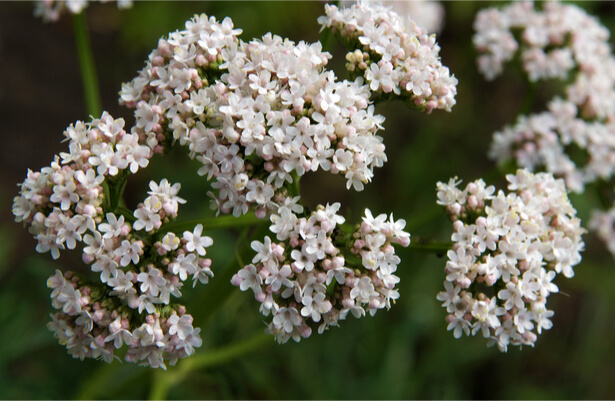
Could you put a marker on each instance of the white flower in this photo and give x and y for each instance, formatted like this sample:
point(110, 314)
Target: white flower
point(196, 242)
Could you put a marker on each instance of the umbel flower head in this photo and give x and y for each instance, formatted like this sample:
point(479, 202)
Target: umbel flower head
point(392, 54)
point(318, 272)
point(256, 114)
point(72, 203)
point(508, 249)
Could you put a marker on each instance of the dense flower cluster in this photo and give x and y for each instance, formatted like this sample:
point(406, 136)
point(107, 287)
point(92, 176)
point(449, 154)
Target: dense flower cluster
point(393, 54)
point(52, 10)
point(74, 201)
point(92, 324)
point(63, 201)
point(254, 113)
point(507, 250)
point(425, 13)
point(317, 273)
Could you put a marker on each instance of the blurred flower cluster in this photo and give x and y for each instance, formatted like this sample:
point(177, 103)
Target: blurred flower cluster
point(52, 10)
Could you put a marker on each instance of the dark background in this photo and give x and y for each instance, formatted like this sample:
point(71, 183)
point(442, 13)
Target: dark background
point(403, 353)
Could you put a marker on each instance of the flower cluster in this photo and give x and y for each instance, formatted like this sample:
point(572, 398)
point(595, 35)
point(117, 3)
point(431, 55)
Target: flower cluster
point(255, 114)
point(317, 273)
point(393, 54)
point(425, 13)
point(52, 10)
point(92, 324)
point(75, 201)
point(507, 250)
point(61, 202)
point(573, 138)
point(560, 142)
point(552, 42)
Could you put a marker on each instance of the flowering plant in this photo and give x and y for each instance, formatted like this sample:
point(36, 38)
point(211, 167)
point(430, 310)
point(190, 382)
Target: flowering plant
point(263, 127)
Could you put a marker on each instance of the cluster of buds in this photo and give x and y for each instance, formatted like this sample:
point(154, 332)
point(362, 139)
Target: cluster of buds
point(507, 250)
point(92, 324)
point(317, 273)
point(393, 54)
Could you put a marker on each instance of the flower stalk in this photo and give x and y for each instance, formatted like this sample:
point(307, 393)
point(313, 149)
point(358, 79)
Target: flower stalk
point(87, 66)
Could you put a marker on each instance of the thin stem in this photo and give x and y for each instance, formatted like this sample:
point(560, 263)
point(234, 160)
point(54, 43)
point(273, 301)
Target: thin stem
point(87, 66)
point(164, 381)
point(423, 245)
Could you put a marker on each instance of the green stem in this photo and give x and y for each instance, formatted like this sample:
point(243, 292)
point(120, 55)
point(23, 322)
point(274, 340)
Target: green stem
point(526, 106)
point(87, 66)
point(164, 381)
point(423, 245)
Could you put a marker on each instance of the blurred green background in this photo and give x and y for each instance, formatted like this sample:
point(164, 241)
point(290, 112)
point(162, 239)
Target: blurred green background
point(404, 353)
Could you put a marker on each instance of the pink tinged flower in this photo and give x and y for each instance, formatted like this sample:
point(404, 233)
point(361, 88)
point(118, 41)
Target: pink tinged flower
point(122, 283)
point(523, 320)
point(459, 326)
point(278, 277)
point(152, 281)
point(69, 299)
point(363, 290)
point(458, 264)
point(183, 265)
point(315, 306)
point(512, 296)
point(146, 219)
point(202, 275)
point(129, 252)
point(65, 194)
point(113, 227)
point(248, 277)
point(47, 243)
point(107, 266)
point(263, 250)
point(69, 233)
point(182, 326)
point(302, 261)
point(196, 242)
point(287, 319)
point(118, 334)
point(192, 341)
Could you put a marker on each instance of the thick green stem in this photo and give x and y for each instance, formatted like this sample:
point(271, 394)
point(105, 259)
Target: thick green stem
point(164, 381)
point(87, 66)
